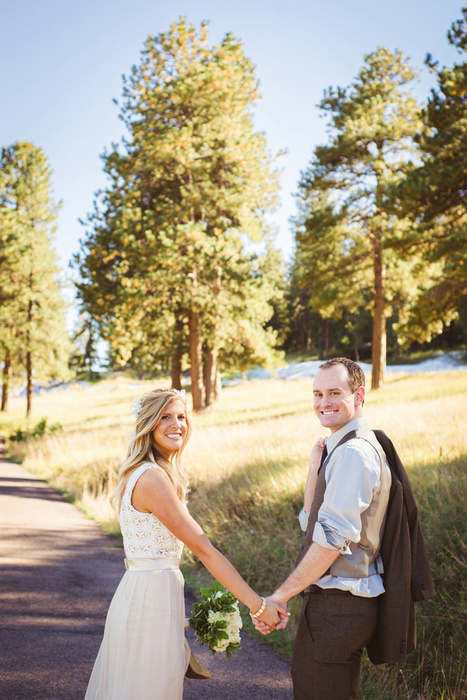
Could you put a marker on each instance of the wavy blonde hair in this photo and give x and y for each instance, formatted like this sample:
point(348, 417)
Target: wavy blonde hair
point(142, 449)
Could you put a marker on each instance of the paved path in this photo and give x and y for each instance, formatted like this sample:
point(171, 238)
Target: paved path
point(58, 572)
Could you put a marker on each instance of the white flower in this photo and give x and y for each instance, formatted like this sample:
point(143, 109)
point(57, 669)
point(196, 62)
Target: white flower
point(222, 645)
point(136, 406)
point(224, 637)
point(217, 616)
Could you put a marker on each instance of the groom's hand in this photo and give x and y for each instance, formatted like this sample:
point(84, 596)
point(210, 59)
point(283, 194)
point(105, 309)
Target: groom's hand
point(281, 607)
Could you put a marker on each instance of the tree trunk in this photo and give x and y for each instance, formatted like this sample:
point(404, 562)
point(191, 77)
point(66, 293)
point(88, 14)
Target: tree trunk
point(378, 350)
point(140, 369)
point(303, 323)
point(6, 381)
point(326, 339)
point(217, 385)
point(210, 369)
point(211, 375)
point(207, 364)
point(323, 340)
point(302, 332)
point(197, 389)
point(176, 369)
point(320, 342)
point(29, 360)
point(177, 354)
point(28, 383)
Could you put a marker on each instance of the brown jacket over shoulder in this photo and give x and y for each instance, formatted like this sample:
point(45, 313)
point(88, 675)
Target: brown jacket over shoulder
point(407, 575)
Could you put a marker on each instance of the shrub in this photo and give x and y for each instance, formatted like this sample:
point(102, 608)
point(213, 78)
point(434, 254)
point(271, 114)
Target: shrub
point(21, 435)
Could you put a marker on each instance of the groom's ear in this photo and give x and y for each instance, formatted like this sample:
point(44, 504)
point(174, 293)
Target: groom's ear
point(360, 396)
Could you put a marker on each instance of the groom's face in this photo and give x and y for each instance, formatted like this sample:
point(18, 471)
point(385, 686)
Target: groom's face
point(334, 402)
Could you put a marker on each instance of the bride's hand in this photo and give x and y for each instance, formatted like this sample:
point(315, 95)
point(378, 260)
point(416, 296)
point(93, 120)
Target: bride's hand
point(274, 615)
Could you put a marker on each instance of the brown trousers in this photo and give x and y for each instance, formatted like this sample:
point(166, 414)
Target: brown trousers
point(334, 628)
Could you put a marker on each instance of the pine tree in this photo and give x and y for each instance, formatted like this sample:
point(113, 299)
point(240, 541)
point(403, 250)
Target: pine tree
point(33, 335)
point(347, 232)
point(273, 272)
point(85, 352)
point(163, 259)
point(435, 195)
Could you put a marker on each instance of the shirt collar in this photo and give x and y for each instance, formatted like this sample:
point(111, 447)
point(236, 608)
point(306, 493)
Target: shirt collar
point(334, 439)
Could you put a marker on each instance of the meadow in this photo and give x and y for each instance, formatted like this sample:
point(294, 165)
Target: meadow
point(247, 463)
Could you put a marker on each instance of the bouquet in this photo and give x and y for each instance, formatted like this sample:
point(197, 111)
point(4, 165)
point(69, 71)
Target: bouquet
point(216, 620)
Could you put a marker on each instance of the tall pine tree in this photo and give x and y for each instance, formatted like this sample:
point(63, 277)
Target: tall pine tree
point(347, 231)
point(33, 333)
point(435, 194)
point(163, 261)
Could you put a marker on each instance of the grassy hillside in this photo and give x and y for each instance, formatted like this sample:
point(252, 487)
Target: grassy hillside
point(247, 461)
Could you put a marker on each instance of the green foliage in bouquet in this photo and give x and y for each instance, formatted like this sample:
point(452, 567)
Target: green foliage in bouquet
point(216, 620)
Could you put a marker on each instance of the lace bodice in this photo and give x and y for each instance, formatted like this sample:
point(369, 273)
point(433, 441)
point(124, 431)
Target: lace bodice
point(144, 536)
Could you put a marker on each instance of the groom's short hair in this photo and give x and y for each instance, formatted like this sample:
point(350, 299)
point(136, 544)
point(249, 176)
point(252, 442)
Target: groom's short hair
point(355, 373)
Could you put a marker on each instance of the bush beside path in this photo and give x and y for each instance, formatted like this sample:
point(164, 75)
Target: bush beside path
point(58, 573)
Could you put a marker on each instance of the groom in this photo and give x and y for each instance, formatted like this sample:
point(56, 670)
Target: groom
point(338, 570)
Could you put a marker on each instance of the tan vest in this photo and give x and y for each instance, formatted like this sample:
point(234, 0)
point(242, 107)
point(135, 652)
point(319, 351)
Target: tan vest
point(364, 560)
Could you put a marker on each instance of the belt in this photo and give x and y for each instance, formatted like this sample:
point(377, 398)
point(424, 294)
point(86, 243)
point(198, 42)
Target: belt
point(151, 564)
point(313, 589)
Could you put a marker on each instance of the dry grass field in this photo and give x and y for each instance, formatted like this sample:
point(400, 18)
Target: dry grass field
point(247, 463)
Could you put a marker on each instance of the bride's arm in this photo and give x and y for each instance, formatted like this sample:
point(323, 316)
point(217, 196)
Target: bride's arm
point(154, 493)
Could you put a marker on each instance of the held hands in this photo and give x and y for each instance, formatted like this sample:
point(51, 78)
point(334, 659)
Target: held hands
point(274, 616)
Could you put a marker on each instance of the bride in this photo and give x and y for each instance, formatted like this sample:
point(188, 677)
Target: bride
point(144, 653)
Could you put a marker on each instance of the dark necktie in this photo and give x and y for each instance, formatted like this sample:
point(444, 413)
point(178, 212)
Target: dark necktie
point(323, 456)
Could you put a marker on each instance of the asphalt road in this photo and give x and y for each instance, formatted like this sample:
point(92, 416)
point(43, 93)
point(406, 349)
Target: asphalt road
point(58, 572)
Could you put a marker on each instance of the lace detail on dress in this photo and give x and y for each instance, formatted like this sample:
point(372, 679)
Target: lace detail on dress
point(144, 536)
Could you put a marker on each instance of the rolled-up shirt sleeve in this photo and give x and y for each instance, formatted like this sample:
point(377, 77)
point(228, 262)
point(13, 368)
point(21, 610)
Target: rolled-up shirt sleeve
point(303, 517)
point(352, 476)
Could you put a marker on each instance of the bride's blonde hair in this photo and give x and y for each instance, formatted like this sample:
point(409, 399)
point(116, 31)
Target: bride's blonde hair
point(149, 410)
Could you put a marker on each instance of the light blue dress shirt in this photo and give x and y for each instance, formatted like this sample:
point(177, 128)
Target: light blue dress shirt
point(353, 474)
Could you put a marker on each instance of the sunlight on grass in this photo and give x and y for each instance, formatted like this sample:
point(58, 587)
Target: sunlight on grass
point(247, 461)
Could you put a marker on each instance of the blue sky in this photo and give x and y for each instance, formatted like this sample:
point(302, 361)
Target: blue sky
point(62, 63)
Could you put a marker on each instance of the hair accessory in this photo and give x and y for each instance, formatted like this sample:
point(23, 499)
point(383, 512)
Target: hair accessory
point(136, 406)
point(137, 403)
point(180, 392)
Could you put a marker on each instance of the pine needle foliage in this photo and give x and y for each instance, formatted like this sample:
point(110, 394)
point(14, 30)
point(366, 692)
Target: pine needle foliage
point(163, 266)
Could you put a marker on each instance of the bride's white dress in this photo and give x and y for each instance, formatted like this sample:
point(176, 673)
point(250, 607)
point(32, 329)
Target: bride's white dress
point(144, 653)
